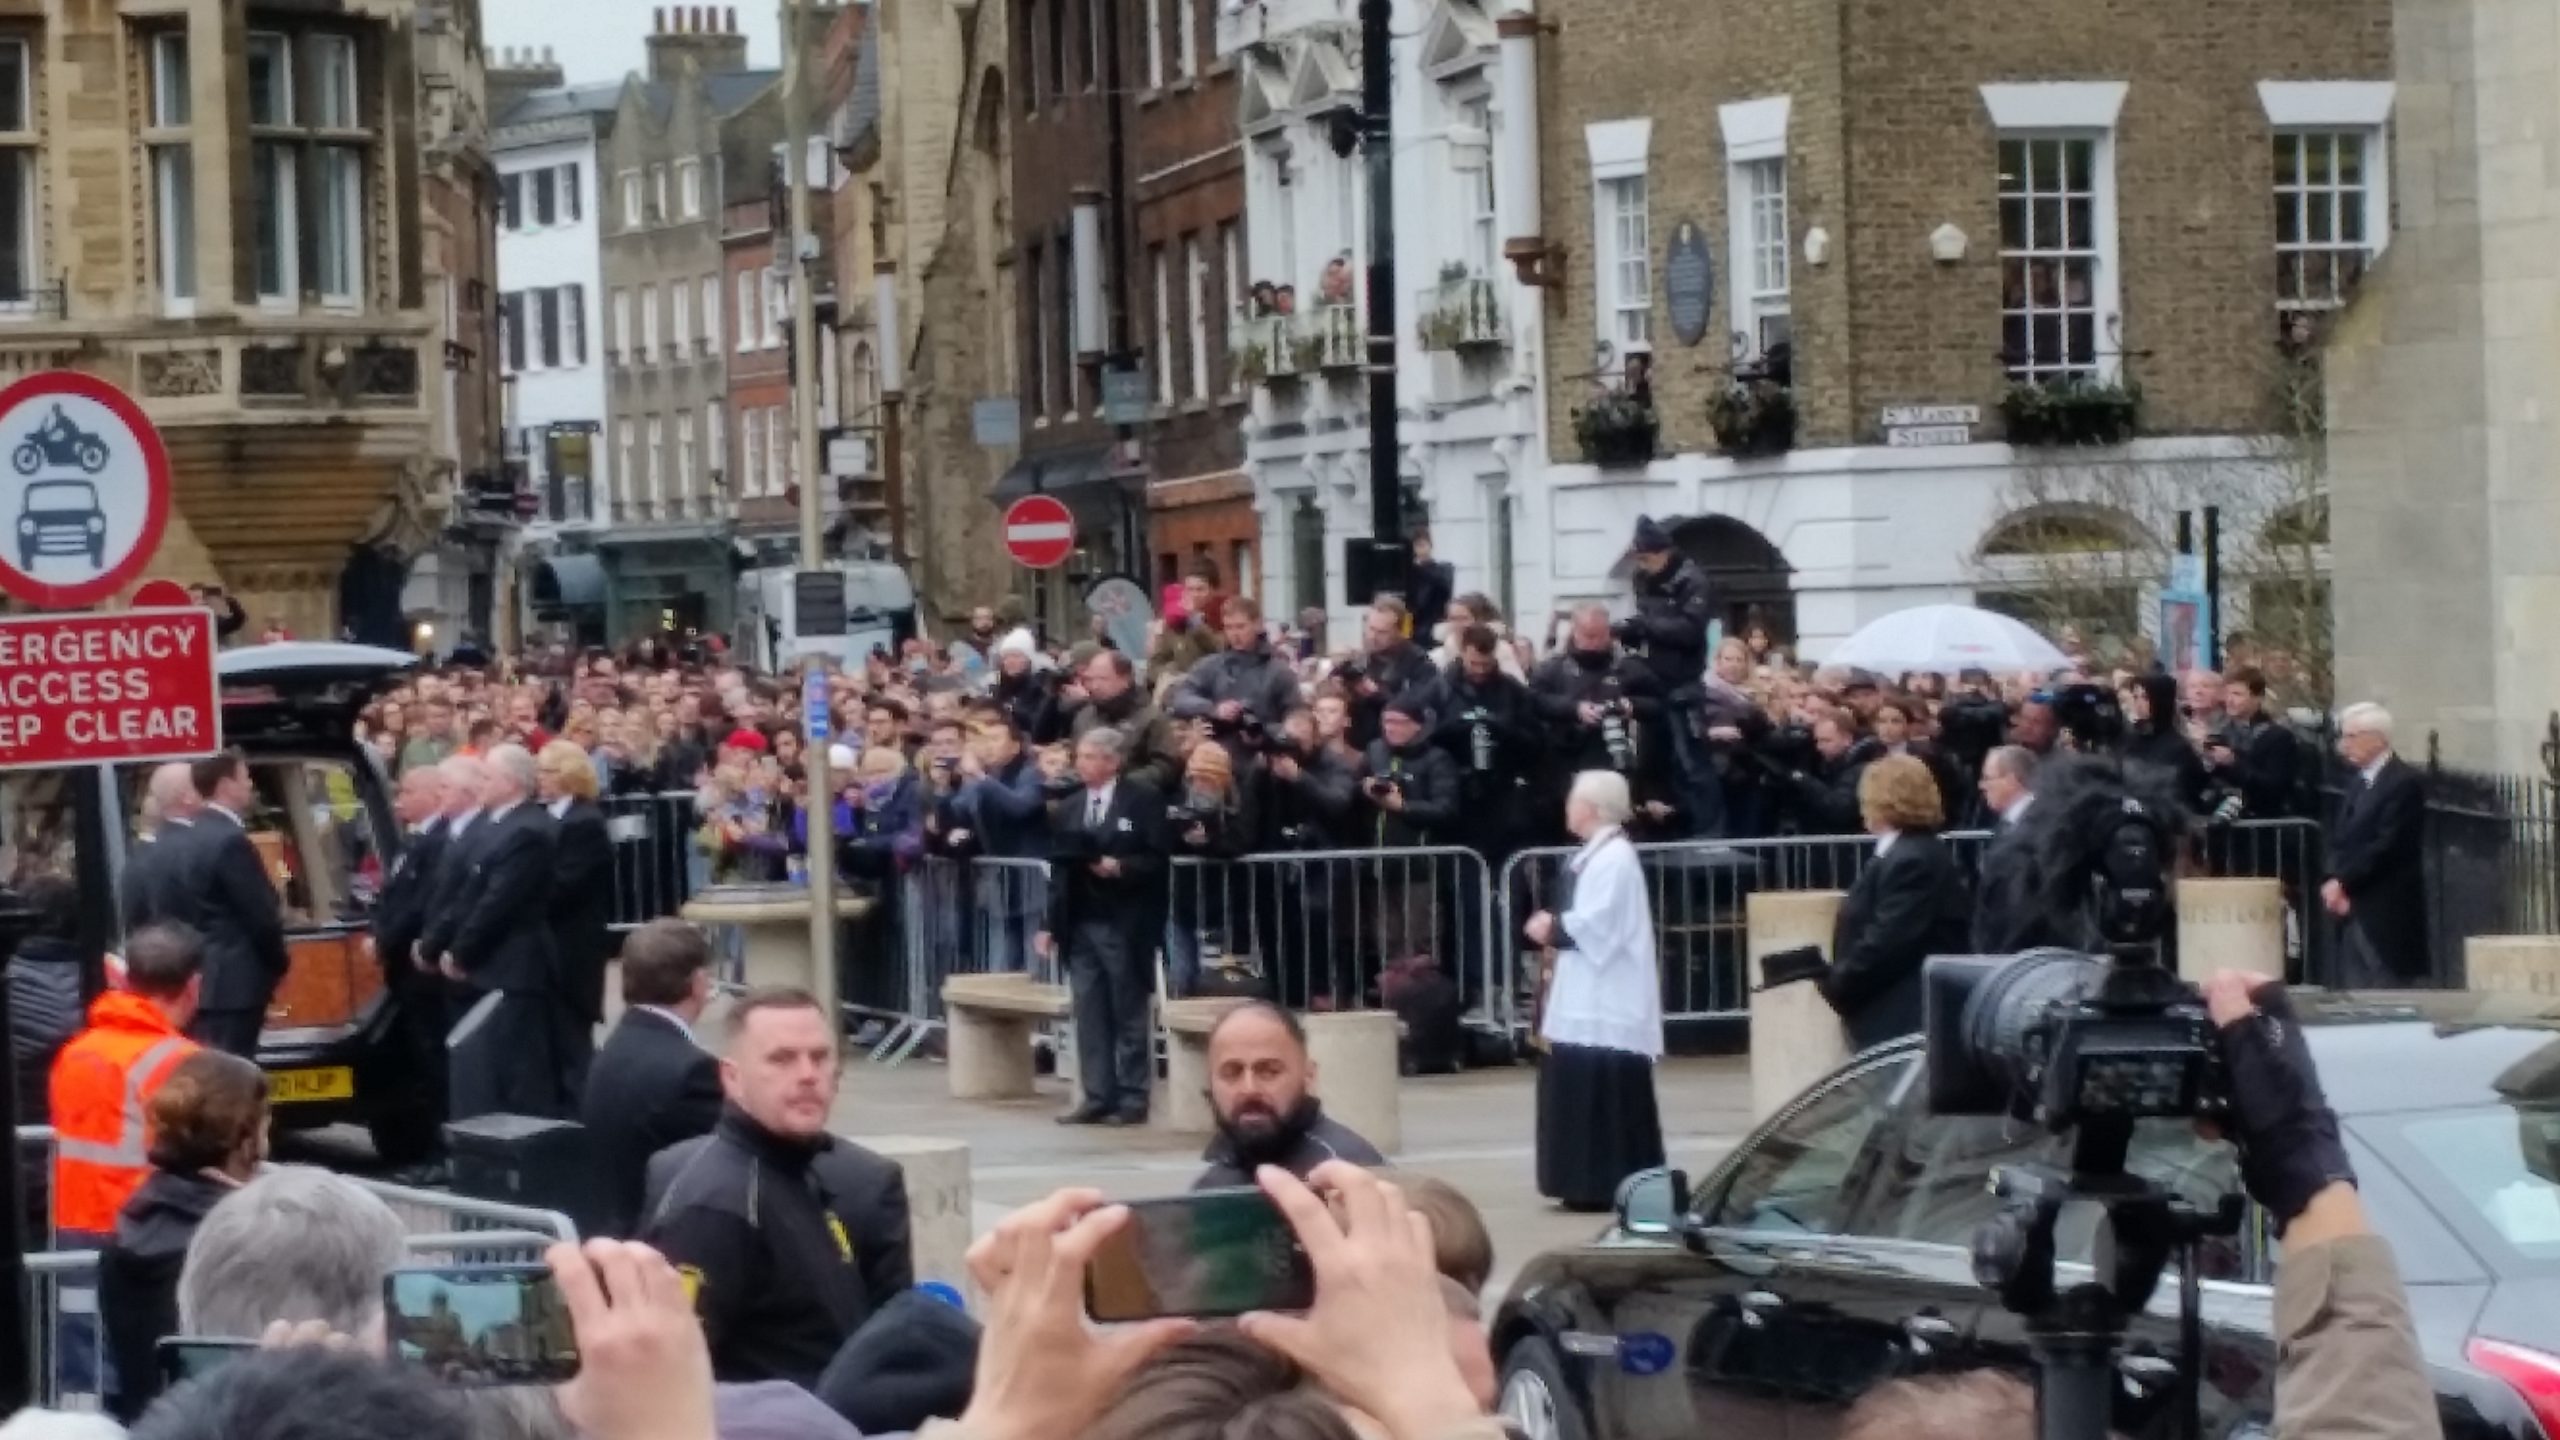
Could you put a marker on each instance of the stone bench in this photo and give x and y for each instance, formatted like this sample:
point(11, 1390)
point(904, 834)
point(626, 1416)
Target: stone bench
point(1182, 1101)
point(990, 1019)
point(1357, 1074)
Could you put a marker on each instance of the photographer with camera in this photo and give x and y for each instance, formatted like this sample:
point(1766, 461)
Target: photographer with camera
point(1242, 690)
point(1214, 818)
point(2254, 752)
point(1669, 629)
point(1489, 727)
point(1823, 800)
point(1390, 667)
point(1599, 704)
point(1411, 789)
point(1114, 702)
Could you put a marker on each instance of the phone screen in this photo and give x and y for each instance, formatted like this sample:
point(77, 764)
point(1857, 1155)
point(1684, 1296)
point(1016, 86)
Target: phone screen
point(481, 1324)
point(1207, 1254)
point(189, 1357)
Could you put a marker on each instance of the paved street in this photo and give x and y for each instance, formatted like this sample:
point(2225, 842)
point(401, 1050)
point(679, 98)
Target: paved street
point(1473, 1130)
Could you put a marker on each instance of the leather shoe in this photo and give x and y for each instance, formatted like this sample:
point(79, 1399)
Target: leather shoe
point(1125, 1119)
point(1086, 1115)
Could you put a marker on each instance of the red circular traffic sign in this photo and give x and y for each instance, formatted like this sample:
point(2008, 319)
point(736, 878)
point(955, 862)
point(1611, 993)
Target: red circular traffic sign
point(84, 490)
point(1039, 532)
point(161, 595)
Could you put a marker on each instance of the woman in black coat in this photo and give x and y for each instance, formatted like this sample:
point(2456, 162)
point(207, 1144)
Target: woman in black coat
point(1910, 904)
point(2154, 737)
point(208, 1126)
point(581, 906)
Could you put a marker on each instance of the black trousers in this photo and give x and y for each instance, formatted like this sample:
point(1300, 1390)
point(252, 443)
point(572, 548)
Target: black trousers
point(1109, 982)
point(233, 1030)
point(506, 1064)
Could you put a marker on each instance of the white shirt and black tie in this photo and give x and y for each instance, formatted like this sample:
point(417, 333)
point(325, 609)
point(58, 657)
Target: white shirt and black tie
point(1097, 808)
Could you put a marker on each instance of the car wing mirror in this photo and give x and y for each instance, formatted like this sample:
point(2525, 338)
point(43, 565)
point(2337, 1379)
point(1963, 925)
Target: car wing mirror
point(1653, 1202)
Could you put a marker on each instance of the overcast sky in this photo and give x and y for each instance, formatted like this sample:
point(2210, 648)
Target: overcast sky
point(597, 40)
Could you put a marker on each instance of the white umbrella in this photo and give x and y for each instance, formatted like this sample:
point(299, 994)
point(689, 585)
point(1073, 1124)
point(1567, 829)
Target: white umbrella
point(1945, 640)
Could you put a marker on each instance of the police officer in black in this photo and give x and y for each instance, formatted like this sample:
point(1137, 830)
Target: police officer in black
point(788, 1237)
point(1600, 705)
point(1669, 629)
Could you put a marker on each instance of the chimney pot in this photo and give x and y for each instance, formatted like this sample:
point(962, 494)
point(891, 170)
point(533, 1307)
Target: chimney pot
point(733, 19)
point(546, 56)
point(658, 20)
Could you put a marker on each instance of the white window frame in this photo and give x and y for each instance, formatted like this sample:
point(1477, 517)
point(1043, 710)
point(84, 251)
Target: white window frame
point(686, 469)
point(658, 211)
point(711, 314)
point(715, 439)
point(173, 189)
point(680, 324)
point(337, 101)
point(657, 459)
point(750, 304)
point(751, 466)
point(1186, 38)
point(23, 144)
point(780, 458)
point(769, 305)
point(2104, 302)
point(689, 189)
point(1619, 151)
point(573, 325)
point(625, 480)
point(2341, 111)
point(1755, 144)
point(630, 184)
point(1154, 38)
point(283, 46)
point(1470, 103)
point(621, 348)
point(1195, 272)
point(650, 320)
point(342, 176)
point(2077, 111)
point(1163, 357)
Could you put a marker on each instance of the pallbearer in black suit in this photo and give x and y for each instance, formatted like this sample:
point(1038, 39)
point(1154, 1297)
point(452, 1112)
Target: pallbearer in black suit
point(652, 1085)
point(502, 1052)
point(235, 908)
point(581, 906)
point(1907, 906)
point(400, 916)
point(155, 888)
point(1106, 909)
point(463, 832)
point(2377, 858)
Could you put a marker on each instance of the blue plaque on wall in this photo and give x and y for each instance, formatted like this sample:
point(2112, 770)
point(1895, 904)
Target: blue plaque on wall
point(1689, 281)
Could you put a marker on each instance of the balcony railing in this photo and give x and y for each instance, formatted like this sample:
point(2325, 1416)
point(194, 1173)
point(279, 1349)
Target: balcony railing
point(1331, 337)
point(1461, 314)
point(1265, 349)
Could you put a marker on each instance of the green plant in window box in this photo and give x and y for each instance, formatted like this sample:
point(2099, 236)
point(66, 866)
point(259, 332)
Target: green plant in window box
point(1616, 430)
point(1753, 417)
point(1443, 328)
point(2071, 410)
point(1253, 363)
point(1452, 271)
point(1308, 352)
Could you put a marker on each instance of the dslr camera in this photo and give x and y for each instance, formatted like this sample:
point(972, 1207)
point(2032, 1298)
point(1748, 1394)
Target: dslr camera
point(2090, 716)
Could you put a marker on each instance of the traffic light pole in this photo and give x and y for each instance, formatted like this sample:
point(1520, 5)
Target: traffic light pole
point(1390, 557)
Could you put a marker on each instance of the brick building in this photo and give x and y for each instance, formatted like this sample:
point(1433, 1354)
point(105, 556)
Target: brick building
point(1142, 269)
point(1935, 239)
point(242, 246)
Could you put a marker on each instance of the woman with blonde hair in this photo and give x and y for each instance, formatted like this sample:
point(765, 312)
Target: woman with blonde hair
point(581, 905)
point(1909, 904)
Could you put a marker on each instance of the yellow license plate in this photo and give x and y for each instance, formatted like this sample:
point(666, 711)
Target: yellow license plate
point(336, 1082)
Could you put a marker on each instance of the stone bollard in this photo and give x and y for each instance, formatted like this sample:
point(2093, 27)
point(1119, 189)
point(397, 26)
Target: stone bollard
point(2512, 965)
point(2230, 925)
point(940, 1221)
point(1357, 1074)
point(1796, 1037)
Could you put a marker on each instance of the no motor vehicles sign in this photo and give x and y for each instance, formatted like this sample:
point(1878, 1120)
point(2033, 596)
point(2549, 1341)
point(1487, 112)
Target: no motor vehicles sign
point(92, 689)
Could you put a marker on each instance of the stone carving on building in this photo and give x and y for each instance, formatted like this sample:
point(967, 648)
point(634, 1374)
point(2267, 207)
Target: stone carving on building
point(179, 374)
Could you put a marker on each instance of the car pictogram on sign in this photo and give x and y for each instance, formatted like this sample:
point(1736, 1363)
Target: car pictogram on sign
point(62, 517)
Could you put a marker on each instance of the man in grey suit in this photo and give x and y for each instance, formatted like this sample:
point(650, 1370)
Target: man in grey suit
point(235, 908)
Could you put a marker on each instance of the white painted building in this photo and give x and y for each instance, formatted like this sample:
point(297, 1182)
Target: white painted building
point(1469, 353)
point(551, 299)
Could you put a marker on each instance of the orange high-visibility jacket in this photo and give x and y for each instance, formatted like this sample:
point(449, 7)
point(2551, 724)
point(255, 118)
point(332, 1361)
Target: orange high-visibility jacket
point(101, 1082)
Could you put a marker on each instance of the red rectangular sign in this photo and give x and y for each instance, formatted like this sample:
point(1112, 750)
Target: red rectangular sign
point(102, 688)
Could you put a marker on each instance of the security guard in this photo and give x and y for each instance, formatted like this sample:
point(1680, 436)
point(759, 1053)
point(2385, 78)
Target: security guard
point(788, 1237)
point(105, 1077)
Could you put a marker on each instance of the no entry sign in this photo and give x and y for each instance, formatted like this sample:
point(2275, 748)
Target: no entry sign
point(1038, 532)
point(91, 689)
point(84, 492)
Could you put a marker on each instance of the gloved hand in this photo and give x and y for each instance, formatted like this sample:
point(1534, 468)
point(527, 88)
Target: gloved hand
point(1630, 631)
point(2279, 1116)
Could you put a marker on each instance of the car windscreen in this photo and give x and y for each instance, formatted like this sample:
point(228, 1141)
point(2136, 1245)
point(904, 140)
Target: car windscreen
point(2492, 1172)
point(54, 495)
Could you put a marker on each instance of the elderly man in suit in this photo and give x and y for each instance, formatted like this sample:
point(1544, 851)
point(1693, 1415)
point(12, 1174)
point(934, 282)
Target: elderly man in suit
point(155, 877)
point(652, 1085)
point(501, 949)
point(2377, 858)
point(234, 905)
point(1107, 909)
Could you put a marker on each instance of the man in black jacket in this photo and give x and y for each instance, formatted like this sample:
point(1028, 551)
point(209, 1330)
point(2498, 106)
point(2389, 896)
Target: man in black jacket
point(2377, 858)
point(2254, 751)
point(1670, 629)
point(1390, 668)
point(462, 833)
point(400, 917)
point(1262, 1090)
point(581, 908)
point(652, 1085)
point(1600, 704)
point(504, 1049)
point(1107, 912)
point(235, 907)
point(1435, 584)
point(1489, 726)
point(155, 876)
point(788, 1237)
point(1242, 687)
point(1411, 789)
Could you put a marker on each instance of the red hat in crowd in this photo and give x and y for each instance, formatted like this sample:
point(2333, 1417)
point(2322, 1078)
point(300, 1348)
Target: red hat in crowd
point(744, 738)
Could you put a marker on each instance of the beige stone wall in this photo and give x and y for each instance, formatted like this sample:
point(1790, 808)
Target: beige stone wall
point(1889, 138)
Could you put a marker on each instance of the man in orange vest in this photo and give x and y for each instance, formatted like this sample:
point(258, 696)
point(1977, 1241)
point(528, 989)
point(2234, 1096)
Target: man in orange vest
point(108, 1073)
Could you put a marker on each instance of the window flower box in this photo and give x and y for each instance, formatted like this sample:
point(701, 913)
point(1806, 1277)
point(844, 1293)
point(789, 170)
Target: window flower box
point(1617, 430)
point(2071, 410)
point(1462, 312)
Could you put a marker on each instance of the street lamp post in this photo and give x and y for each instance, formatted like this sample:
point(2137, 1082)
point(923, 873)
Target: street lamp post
point(805, 390)
point(1390, 558)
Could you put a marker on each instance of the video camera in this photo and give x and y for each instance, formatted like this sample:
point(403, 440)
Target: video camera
point(2086, 1046)
point(2090, 716)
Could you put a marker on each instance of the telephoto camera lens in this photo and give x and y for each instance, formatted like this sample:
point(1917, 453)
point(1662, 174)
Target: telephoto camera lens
point(1990, 1027)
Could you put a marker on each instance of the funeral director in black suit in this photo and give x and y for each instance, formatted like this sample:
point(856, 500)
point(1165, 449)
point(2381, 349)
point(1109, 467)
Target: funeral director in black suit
point(235, 907)
point(652, 1085)
point(2377, 877)
point(581, 905)
point(155, 874)
point(1907, 906)
point(1106, 909)
point(400, 917)
point(503, 1053)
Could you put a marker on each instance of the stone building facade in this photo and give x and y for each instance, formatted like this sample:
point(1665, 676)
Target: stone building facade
point(692, 135)
point(1927, 207)
point(2445, 481)
point(222, 208)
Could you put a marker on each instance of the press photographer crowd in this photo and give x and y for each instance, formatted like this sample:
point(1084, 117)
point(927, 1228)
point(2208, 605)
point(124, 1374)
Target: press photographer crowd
point(757, 1275)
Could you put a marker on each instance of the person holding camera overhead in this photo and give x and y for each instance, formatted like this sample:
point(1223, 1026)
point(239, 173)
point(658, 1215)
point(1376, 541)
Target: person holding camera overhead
point(1669, 629)
point(1908, 905)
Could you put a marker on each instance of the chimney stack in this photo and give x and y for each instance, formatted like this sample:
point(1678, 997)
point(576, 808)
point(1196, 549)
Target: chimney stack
point(699, 37)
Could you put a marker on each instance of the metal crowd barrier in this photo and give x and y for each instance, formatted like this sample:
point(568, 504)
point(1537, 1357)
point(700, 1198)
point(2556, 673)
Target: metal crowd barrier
point(655, 869)
point(973, 917)
point(1317, 929)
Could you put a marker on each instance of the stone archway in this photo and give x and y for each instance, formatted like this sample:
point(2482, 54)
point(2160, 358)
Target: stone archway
point(1748, 577)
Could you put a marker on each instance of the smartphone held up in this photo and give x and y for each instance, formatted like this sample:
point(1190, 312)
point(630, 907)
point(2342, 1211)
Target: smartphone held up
point(477, 1325)
point(1210, 1254)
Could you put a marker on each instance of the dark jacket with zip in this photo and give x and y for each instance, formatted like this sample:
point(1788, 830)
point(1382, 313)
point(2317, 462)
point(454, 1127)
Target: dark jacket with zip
point(1327, 1139)
point(138, 1280)
point(1430, 781)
